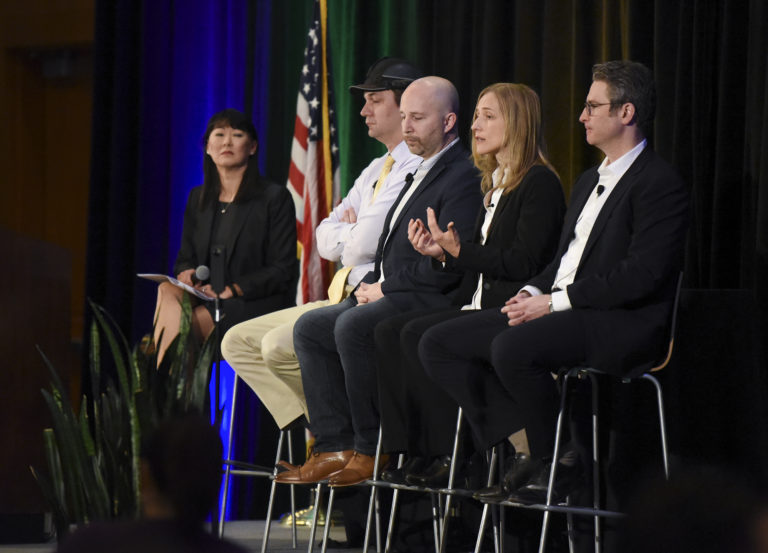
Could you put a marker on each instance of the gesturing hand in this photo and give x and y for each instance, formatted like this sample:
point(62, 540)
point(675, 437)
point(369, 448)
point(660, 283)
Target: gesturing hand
point(422, 241)
point(448, 239)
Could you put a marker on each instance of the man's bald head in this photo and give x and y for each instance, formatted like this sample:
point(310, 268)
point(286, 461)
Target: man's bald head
point(442, 92)
point(429, 111)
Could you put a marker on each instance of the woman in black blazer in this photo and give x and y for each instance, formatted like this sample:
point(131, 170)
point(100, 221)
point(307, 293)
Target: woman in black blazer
point(515, 236)
point(241, 219)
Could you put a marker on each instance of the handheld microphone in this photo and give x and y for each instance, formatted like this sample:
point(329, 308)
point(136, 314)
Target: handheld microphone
point(201, 274)
point(218, 256)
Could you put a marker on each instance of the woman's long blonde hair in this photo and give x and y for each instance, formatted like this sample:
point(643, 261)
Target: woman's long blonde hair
point(523, 141)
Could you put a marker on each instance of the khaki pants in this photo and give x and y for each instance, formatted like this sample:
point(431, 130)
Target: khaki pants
point(261, 353)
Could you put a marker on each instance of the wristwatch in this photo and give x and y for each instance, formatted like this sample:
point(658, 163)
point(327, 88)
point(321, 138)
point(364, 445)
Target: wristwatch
point(551, 309)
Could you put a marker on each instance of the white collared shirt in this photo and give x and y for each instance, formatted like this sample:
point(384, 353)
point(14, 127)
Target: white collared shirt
point(354, 244)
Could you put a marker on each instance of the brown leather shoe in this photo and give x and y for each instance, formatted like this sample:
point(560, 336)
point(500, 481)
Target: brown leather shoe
point(284, 466)
point(318, 467)
point(359, 469)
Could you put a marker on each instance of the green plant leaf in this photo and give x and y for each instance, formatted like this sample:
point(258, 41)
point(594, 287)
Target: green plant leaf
point(92, 456)
point(121, 356)
point(201, 377)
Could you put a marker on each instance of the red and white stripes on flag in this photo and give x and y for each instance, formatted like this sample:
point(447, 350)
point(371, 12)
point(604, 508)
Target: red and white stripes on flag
point(315, 149)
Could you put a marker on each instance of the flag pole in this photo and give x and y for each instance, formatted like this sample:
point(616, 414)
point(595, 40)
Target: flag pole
point(328, 165)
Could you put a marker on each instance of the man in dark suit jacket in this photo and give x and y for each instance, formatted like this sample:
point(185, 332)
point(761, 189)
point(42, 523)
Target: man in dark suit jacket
point(335, 344)
point(604, 300)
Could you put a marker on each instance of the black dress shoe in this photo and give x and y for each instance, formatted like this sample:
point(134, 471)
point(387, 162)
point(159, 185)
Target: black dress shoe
point(491, 494)
point(519, 473)
point(567, 479)
point(434, 476)
point(398, 475)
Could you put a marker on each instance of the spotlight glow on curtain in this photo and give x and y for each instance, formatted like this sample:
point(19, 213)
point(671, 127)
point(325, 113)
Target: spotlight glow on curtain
point(195, 64)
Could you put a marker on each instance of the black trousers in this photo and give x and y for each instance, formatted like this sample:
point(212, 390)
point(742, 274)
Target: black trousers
point(501, 375)
point(417, 416)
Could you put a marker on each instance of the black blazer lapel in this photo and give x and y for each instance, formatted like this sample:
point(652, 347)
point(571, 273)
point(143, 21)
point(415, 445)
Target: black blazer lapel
point(428, 179)
point(202, 236)
point(231, 226)
point(503, 202)
point(385, 229)
point(423, 185)
point(619, 191)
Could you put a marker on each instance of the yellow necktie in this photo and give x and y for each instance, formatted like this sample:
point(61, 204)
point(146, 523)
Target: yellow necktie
point(338, 284)
point(388, 163)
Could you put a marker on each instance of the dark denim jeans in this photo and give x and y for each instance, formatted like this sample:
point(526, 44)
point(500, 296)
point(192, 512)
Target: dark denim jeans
point(335, 348)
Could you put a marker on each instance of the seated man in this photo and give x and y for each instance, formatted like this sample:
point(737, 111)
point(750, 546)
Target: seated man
point(261, 350)
point(604, 301)
point(335, 344)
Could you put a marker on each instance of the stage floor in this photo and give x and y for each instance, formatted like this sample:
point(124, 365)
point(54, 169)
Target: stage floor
point(247, 533)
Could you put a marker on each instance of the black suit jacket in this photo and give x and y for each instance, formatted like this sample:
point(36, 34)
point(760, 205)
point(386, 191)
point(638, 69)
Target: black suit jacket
point(625, 282)
point(452, 189)
point(521, 240)
point(260, 245)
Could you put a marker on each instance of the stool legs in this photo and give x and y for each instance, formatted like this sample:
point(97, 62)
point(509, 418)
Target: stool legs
point(451, 481)
point(595, 463)
point(268, 522)
point(393, 509)
point(662, 421)
point(484, 518)
point(553, 470)
point(328, 512)
point(373, 504)
point(315, 515)
point(596, 509)
point(294, 539)
point(227, 468)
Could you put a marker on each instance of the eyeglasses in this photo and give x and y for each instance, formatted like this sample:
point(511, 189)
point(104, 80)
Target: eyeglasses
point(589, 106)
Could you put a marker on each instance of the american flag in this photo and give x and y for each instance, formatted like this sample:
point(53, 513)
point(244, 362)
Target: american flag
point(315, 147)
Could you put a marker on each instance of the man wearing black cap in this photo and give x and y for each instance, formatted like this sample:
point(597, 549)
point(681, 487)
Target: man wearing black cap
point(335, 344)
point(261, 350)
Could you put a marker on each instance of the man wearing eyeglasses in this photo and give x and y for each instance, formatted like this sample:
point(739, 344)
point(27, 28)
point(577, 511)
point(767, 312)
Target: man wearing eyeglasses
point(604, 301)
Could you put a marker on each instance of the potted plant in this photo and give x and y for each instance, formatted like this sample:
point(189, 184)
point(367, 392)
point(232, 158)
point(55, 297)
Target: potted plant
point(92, 454)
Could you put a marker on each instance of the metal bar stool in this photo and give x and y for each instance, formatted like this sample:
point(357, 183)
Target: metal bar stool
point(587, 372)
point(234, 467)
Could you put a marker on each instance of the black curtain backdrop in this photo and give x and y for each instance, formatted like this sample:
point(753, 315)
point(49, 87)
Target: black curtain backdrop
point(114, 158)
point(709, 61)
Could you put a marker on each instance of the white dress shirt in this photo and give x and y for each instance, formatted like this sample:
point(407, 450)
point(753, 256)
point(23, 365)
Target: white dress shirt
point(610, 174)
point(354, 244)
point(490, 202)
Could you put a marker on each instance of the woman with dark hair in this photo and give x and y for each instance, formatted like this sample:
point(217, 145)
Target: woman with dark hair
point(515, 236)
point(246, 219)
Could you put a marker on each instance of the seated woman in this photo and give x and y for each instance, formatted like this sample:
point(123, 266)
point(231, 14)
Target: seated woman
point(246, 218)
point(515, 237)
